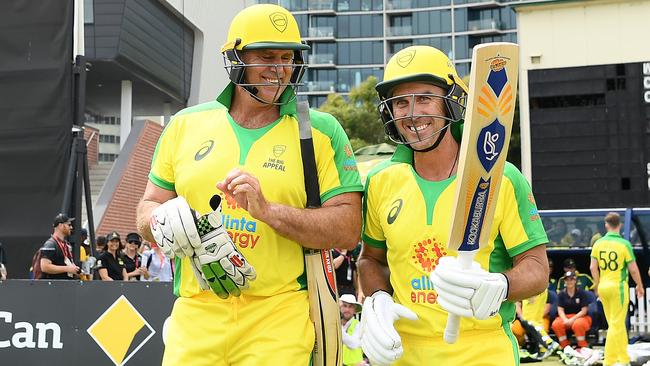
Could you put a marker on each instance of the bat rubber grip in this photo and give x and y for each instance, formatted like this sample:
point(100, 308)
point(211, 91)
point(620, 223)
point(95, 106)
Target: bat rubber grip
point(452, 329)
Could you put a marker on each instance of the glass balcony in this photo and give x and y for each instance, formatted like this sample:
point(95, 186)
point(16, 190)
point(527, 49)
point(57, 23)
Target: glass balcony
point(403, 30)
point(321, 59)
point(398, 4)
point(484, 25)
point(321, 5)
point(320, 86)
point(321, 32)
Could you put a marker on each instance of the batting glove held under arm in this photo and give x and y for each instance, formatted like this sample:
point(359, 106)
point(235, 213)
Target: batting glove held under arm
point(174, 229)
point(224, 268)
point(469, 293)
point(216, 262)
point(379, 339)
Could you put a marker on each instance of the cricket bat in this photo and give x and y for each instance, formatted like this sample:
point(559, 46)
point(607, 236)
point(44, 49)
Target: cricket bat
point(324, 309)
point(483, 150)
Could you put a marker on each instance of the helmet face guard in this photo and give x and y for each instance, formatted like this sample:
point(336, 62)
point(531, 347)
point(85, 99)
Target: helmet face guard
point(236, 69)
point(454, 111)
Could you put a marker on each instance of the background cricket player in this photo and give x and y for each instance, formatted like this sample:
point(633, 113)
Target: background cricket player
point(611, 259)
point(244, 147)
point(407, 221)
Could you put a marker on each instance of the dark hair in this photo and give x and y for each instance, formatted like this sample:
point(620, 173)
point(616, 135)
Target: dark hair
point(569, 263)
point(101, 241)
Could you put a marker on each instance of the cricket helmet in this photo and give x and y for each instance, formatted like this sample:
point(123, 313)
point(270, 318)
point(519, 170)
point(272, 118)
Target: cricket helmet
point(429, 65)
point(263, 26)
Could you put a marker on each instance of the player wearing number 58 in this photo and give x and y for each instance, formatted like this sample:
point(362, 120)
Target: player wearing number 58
point(407, 219)
point(226, 198)
point(611, 260)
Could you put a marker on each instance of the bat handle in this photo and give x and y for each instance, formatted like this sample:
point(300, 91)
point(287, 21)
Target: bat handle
point(453, 321)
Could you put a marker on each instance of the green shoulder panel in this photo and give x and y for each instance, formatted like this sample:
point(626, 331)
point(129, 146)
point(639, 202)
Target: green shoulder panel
point(200, 108)
point(527, 209)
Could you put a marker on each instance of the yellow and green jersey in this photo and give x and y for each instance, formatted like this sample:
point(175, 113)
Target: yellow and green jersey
point(410, 217)
point(202, 144)
point(532, 308)
point(613, 254)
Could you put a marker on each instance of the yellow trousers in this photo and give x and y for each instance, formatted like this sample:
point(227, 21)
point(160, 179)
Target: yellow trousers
point(473, 348)
point(205, 330)
point(615, 297)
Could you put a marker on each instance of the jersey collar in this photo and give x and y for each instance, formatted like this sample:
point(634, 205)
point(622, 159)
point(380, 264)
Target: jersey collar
point(402, 154)
point(285, 109)
point(611, 233)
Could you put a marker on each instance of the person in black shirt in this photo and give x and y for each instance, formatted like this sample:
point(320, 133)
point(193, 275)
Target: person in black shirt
point(344, 262)
point(110, 263)
point(56, 254)
point(132, 259)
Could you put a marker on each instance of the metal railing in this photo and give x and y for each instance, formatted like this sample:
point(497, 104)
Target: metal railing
point(321, 58)
point(484, 24)
point(321, 32)
point(399, 4)
point(316, 86)
point(402, 30)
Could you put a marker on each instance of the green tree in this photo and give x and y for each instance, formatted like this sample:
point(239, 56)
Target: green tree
point(358, 114)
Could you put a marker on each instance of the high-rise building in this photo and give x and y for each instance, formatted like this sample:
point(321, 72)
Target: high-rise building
point(353, 39)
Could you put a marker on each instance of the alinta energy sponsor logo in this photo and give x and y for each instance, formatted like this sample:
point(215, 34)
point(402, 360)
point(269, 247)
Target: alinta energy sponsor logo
point(121, 331)
point(426, 254)
point(242, 231)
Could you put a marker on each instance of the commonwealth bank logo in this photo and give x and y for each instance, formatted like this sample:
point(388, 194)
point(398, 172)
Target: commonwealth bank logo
point(121, 331)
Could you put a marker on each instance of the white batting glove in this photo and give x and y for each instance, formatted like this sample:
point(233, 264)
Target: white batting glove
point(173, 228)
point(224, 268)
point(469, 293)
point(379, 339)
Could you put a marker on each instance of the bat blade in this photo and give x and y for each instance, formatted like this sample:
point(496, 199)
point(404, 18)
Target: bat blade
point(483, 150)
point(324, 307)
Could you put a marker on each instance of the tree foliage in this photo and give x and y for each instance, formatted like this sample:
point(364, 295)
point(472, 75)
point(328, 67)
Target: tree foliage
point(358, 114)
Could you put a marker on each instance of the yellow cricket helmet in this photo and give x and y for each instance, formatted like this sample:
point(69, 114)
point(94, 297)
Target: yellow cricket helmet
point(264, 26)
point(422, 64)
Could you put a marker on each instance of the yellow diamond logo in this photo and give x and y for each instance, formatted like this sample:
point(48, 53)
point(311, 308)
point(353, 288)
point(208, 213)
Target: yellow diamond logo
point(121, 331)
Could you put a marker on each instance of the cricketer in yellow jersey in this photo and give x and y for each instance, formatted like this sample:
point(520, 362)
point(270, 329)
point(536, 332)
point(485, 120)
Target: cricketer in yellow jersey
point(611, 260)
point(240, 272)
point(406, 223)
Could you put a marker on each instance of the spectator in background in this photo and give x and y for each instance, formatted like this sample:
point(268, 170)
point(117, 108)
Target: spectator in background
point(100, 244)
point(159, 268)
point(552, 282)
point(573, 303)
point(3, 263)
point(346, 271)
point(87, 261)
point(56, 262)
point(132, 259)
point(585, 238)
point(352, 352)
point(144, 247)
point(572, 238)
point(110, 263)
point(557, 232)
point(585, 281)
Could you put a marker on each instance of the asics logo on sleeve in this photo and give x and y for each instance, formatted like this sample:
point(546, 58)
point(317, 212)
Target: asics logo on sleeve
point(205, 149)
point(394, 211)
